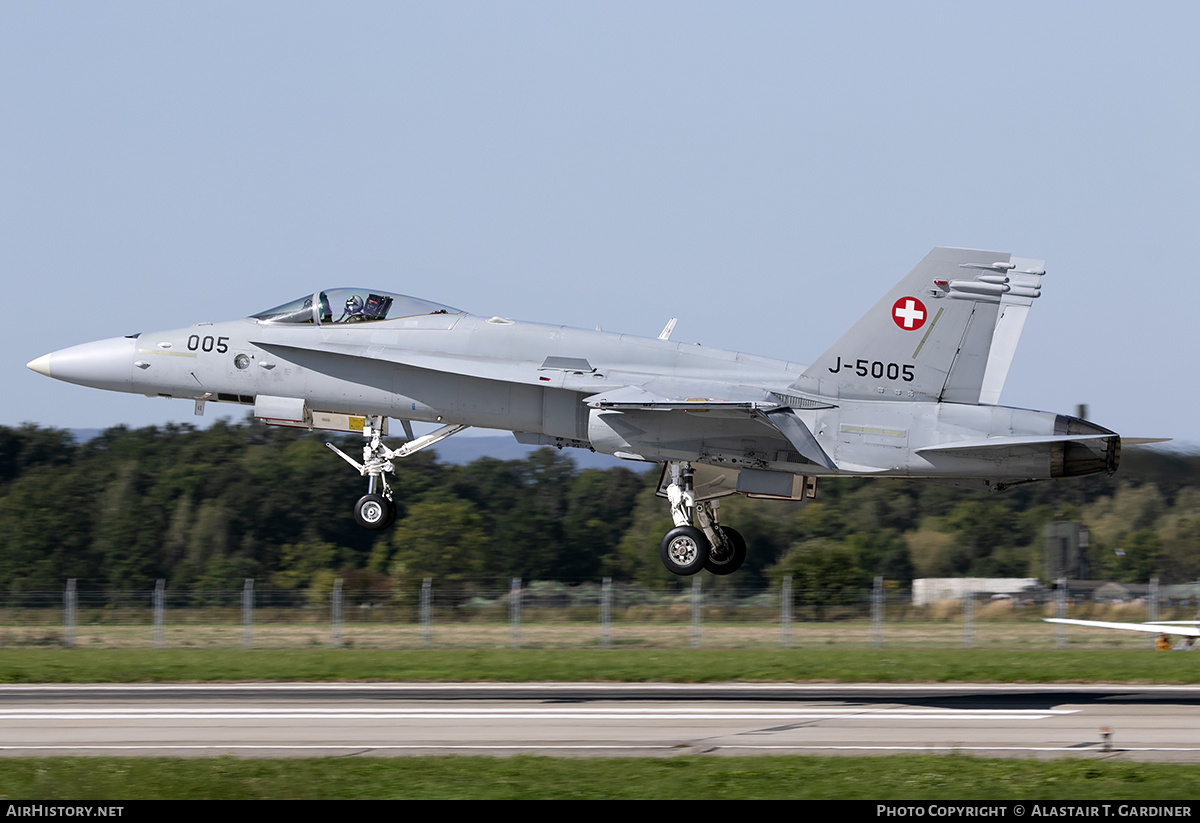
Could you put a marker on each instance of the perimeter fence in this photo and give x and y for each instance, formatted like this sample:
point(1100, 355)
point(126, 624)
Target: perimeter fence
point(542, 614)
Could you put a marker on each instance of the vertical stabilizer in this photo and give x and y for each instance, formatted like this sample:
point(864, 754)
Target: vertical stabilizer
point(1026, 279)
point(946, 332)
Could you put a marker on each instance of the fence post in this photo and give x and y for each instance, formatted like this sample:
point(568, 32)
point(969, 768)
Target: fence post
point(1152, 609)
point(514, 611)
point(696, 596)
point(69, 615)
point(877, 612)
point(248, 613)
point(1060, 611)
point(969, 614)
point(605, 612)
point(785, 609)
point(160, 587)
point(335, 616)
point(426, 609)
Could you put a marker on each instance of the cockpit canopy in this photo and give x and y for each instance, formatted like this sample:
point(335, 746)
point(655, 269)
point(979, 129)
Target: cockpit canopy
point(350, 306)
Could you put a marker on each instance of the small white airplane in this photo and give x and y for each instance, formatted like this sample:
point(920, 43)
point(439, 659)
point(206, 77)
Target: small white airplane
point(1188, 628)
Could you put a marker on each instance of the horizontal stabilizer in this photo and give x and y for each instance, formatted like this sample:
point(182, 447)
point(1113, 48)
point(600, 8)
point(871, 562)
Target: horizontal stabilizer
point(1156, 628)
point(971, 448)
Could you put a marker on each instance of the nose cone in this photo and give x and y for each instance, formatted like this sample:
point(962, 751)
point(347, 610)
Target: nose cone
point(105, 364)
point(41, 365)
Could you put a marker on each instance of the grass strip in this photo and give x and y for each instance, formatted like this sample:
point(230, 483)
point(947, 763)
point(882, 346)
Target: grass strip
point(927, 777)
point(626, 665)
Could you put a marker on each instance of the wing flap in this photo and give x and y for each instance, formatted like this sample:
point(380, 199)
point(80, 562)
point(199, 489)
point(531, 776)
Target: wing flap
point(632, 398)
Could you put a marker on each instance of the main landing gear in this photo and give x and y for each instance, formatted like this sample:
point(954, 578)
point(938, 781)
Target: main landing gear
point(376, 510)
point(687, 548)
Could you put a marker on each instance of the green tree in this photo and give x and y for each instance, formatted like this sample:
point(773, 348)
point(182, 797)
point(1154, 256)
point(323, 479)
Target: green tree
point(883, 553)
point(823, 572)
point(301, 562)
point(442, 539)
point(44, 537)
point(1138, 558)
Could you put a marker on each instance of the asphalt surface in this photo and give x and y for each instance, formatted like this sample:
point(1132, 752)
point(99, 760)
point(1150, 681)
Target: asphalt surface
point(1144, 723)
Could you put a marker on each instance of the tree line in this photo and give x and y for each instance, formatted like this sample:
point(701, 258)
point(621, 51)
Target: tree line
point(207, 508)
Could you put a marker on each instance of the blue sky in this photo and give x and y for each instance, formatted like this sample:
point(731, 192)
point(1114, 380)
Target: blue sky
point(763, 171)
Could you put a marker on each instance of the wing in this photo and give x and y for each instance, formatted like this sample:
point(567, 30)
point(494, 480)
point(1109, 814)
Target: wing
point(772, 412)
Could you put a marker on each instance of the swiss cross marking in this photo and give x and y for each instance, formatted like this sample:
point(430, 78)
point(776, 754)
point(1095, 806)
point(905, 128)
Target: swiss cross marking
point(909, 313)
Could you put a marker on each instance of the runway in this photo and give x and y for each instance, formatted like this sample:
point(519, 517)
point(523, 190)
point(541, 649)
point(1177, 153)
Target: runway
point(1145, 723)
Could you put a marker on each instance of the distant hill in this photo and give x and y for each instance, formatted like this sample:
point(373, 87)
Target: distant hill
point(463, 450)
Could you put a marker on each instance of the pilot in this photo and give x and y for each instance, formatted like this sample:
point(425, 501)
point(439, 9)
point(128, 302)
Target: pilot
point(354, 309)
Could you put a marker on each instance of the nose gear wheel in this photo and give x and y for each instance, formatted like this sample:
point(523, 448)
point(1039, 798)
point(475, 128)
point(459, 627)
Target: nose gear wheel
point(374, 511)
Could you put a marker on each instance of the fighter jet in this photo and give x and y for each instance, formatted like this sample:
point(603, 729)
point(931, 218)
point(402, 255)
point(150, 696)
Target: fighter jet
point(911, 390)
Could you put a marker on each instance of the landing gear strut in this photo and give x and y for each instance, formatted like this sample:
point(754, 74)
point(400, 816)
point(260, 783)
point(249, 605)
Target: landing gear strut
point(376, 510)
point(688, 548)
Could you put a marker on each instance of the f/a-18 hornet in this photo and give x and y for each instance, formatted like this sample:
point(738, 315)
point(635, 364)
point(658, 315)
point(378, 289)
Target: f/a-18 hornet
point(911, 390)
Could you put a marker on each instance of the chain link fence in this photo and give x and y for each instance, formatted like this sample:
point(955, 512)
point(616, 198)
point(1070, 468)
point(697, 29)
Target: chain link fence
point(540, 614)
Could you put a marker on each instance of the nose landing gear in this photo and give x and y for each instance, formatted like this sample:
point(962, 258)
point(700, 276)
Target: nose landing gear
point(376, 510)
